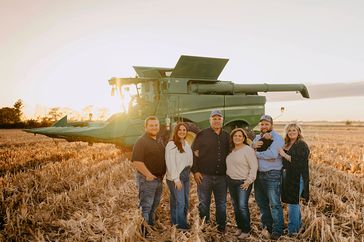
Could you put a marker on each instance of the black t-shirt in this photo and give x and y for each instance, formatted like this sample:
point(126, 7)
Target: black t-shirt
point(151, 152)
point(213, 149)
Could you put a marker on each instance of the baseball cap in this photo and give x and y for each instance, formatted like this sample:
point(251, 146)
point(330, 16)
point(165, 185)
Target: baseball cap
point(216, 113)
point(266, 118)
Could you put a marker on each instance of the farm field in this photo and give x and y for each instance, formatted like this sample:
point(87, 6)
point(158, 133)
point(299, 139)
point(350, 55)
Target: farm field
point(55, 190)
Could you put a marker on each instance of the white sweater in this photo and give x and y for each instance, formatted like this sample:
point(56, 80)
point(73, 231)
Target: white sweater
point(242, 164)
point(177, 161)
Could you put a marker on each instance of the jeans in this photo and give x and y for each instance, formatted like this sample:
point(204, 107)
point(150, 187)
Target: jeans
point(294, 214)
point(217, 185)
point(267, 188)
point(240, 198)
point(179, 200)
point(150, 193)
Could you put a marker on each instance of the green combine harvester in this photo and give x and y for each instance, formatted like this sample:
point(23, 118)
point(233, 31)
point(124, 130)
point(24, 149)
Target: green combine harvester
point(188, 92)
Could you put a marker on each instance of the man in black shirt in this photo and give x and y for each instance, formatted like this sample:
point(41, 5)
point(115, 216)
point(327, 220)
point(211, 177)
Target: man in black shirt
point(148, 160)
point(210, 149)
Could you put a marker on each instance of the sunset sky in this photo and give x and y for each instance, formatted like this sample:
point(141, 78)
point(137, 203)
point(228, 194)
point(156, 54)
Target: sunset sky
point(61, 53)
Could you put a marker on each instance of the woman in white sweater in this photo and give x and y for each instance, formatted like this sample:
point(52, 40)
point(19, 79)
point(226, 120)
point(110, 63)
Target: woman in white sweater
point(179, 161)
point(241, 171)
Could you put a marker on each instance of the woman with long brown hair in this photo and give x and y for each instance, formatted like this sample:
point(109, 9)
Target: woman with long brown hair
point(179, 160)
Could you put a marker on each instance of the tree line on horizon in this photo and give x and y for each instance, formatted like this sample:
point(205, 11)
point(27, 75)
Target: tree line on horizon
point(12, 118)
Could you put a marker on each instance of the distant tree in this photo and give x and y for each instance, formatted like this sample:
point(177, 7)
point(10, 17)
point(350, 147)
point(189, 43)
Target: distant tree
point(8, 116)
point(18, 106)
point(32, 123)
point(11, 115)
point(55, 113)
point(46, 121)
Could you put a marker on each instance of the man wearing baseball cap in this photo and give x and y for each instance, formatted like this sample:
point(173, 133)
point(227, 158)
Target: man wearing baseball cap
point(210, 149)
point(268, 181)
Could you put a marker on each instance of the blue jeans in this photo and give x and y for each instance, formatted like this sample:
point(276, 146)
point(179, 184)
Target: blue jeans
point(294, 214)
point(179, 200)
point(240, 198)
point(217, 185)
point(267, 188)
point(150, 193)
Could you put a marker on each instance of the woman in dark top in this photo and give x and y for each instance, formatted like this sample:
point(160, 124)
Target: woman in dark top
point(295, 182)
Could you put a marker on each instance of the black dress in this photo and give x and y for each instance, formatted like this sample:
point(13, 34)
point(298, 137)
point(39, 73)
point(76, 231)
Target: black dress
point(294, 169)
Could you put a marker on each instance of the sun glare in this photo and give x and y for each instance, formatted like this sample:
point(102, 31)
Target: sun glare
point(126, 93)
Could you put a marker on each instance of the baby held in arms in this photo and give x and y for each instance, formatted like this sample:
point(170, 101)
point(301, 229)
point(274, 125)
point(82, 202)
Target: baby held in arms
point(267, 141)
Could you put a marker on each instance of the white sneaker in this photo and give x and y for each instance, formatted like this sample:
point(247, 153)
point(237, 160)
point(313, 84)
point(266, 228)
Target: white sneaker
point(237, 232)
point(243, 235)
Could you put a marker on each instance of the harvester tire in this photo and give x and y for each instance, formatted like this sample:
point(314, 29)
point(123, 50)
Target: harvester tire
point(192, 130)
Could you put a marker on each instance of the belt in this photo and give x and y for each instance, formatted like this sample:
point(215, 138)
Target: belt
point(158, 177)
point(267, 172)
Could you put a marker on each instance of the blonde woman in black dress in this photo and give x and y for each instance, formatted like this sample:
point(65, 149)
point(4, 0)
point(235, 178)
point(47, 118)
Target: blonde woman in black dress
point(295, 182)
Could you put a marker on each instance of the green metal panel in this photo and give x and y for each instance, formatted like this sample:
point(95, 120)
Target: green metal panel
point(177, 85)
point(61, 123)
point(152, 72)
point(198, 108)
point(247, 108)
point(195, 67)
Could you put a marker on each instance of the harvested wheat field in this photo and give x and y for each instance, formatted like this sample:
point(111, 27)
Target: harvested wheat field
point(71, 191)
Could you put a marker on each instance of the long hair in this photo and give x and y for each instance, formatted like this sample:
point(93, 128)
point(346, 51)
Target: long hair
point(295, 126)
point(175, 137)
point(244, 134)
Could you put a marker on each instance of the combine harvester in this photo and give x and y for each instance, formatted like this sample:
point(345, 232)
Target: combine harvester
point(188, 92)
